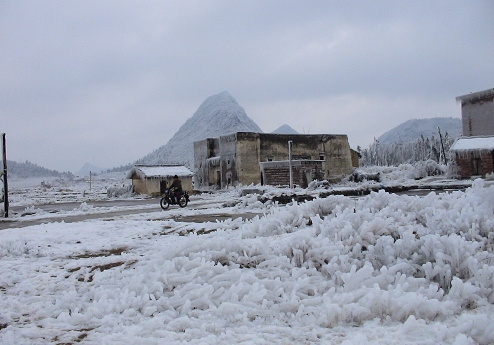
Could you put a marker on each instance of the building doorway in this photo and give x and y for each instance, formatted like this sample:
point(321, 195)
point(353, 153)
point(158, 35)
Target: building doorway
point(218, 178)
point(162, 187)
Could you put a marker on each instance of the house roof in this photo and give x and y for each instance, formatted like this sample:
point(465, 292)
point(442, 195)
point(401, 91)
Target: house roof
point(475, 96)
point(463, 144)
point(159, 171)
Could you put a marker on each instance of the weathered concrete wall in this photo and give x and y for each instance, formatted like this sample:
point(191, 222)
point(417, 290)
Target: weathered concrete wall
point(478, 116)
point(278, 173)
point(334, 150)
point(237, 157)
point(204, 166)
point(355, 158)
point(338, 157)
point(228, 154)
point(140, 186)
point(247, 158)
point(275, 146)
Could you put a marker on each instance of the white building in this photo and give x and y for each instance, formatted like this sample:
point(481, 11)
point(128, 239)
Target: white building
point(155, 179)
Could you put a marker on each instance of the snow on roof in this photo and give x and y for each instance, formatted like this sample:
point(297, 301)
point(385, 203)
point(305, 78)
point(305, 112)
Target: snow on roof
point(474, 96)
point(158, 171)
point(473, 143)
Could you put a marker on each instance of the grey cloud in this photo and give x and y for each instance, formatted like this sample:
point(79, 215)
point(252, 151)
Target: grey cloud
point(92, 76)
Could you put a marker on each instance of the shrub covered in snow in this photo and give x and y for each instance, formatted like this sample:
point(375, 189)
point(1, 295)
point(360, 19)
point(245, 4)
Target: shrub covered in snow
point(115, 192)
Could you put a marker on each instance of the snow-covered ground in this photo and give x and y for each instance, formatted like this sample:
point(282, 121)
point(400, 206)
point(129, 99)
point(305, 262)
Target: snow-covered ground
point(379, 269)
point(35, 191)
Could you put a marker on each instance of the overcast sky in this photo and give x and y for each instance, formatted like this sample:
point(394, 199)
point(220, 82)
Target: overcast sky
point(107, 82)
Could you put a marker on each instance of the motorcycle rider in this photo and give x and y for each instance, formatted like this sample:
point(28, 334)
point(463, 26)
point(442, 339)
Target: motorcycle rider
point(175, 189)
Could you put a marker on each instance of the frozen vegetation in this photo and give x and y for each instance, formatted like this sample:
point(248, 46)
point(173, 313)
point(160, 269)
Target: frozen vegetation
point(378, 269)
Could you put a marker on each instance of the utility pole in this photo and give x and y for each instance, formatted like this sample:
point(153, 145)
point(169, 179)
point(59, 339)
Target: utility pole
point(4, 176)
point(290, 143)
point(442, 146)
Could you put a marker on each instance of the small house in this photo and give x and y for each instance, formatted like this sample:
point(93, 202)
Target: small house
point(154, 179)
point(474, 151)
point(474, 155)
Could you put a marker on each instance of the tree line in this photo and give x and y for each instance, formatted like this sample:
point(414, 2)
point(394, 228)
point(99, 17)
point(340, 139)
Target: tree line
point(422, 149)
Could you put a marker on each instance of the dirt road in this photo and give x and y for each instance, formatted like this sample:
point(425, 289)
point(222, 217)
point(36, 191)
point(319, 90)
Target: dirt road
point(139, 206)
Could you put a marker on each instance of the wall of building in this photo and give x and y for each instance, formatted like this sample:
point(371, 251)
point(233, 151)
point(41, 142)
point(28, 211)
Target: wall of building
point(338, 157)
point(140, 186)
point(466, 164)
point(228, 154)
point(478, 116)
point(235, 158)
point(205, 164)
point(152, 186)
point(355, 158)
point(277, 173)
point(247, 158)
point(333, 150)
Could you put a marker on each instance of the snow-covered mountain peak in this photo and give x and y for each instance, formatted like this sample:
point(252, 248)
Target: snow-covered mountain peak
point(218, 115)
point(285, 129)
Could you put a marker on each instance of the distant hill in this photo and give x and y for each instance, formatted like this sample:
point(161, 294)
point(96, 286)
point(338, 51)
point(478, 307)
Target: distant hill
point(87, 168)
point(413, 129)
point(28, 169)
point(218, 115)
point(284, 129)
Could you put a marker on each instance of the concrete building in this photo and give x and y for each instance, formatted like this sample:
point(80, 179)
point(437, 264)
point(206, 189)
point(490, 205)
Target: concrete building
point(474, 155)
point(263, 158)
point(474, 150)
point(154, 179)
point(477, 113)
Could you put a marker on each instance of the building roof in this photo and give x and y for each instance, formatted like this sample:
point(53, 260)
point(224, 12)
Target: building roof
point(463, 144)
point(476, 96)
point(159, 171)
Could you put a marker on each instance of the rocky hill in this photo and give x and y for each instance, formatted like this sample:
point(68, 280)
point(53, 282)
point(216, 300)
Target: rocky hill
point(412, 130)
point(89, 168)
point(28, 169)
point(218, 115)
point(285, 129)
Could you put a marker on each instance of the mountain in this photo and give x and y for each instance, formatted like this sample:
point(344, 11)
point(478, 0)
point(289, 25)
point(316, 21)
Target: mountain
point(284, 129)
point(28, 169)
point(413, 129)
point(218, 115)
point(87, 168)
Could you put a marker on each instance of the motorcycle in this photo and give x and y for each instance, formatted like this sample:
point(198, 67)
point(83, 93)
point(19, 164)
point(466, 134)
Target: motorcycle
point(181, 199)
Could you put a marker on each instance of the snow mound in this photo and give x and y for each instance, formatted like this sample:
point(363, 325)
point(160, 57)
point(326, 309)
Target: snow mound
point(334, 270)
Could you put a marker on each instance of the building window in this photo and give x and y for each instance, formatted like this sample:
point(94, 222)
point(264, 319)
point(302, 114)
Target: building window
point(476, 166)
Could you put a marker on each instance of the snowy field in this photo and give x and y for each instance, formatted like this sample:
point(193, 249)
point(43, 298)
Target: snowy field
point(379, 269)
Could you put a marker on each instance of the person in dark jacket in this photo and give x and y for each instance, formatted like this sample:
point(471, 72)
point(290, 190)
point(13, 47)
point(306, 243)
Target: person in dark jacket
point(175, 188)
